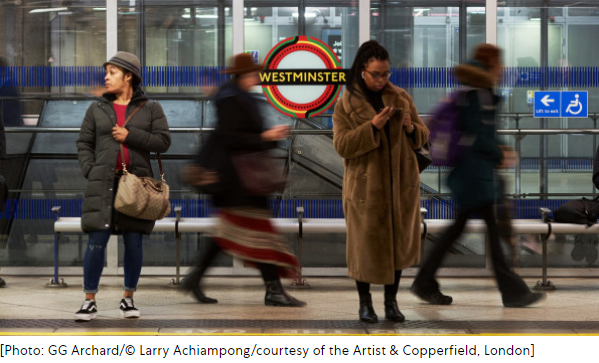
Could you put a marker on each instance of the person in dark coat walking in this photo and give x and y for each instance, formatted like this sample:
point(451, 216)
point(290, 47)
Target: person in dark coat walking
point(10, 113)
point(244, 229)
point(102, 165)
point(10, 105)
point(596, 169)
point(474, 184)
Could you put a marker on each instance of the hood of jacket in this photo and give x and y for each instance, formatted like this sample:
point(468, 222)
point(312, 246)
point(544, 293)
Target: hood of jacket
point(474, 74)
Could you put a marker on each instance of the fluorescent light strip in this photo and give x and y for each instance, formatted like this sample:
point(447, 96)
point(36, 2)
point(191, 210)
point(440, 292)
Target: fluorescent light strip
point(47, 10)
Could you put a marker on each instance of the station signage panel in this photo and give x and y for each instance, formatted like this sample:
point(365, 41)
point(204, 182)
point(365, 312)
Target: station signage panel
point(571, 104)
point(302, 77)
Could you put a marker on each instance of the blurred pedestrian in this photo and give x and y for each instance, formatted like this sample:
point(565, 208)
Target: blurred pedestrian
point(10, 115)
point(122, 116)
point(244, 228)
point(376, 129)
point(474, 183)
point(10, 105)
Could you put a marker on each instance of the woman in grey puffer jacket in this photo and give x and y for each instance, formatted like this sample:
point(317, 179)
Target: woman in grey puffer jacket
point(98, 147)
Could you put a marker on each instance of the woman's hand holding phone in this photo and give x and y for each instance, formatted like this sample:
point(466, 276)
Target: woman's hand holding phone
point(382, 117)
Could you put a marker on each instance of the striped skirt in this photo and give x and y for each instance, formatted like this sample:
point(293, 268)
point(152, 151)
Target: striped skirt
point(248, 234)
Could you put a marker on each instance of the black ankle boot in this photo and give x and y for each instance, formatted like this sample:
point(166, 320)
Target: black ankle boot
point(201, 298)
point(366, 311)
point(191, 284)
point(392, 311)
point(277, 296)
point(431, 295)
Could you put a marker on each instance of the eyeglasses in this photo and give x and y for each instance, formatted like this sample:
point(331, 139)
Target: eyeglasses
point(377, 75)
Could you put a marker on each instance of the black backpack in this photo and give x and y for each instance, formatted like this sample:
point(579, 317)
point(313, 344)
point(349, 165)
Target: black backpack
point(579, 211)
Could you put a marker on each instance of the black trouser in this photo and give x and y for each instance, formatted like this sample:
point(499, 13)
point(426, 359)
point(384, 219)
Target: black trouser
point(267, 270)
point(510, 284)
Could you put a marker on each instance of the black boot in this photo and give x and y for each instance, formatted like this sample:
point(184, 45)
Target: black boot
point(191, 284)
point(277, 296)
point(2, 283)
point(392, 311)
point(430, 292)
point(366, 311)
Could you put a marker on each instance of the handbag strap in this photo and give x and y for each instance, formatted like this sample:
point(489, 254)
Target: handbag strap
point(160, 167)
point(123, 151)
point(121, 144)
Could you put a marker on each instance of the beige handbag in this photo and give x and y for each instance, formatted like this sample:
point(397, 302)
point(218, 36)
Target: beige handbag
point(142, 197)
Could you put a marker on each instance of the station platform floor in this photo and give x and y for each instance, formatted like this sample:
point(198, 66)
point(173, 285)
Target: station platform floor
point(27, 306)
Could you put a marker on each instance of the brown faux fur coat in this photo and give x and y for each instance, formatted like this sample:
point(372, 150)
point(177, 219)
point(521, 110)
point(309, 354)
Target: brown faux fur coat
point(383, 220)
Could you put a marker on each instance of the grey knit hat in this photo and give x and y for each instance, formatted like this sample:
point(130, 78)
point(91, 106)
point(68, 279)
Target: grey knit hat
point(127, 61)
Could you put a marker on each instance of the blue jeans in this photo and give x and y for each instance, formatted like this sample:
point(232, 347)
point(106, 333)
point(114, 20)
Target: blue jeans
point(93, 263)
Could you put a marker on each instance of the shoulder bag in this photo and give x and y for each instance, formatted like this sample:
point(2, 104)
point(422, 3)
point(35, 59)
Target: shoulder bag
point(423, 156)
point(142, 197)
point(258, 172)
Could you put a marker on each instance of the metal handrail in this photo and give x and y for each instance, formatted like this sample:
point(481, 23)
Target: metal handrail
point(329, 195)
point(516, 132)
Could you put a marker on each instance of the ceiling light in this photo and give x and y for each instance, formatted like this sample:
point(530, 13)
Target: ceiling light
point(47, 10)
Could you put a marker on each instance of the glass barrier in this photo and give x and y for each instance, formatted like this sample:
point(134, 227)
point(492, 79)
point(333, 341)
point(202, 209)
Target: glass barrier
point(184, 34)
point(52, 177)
point(51, 62)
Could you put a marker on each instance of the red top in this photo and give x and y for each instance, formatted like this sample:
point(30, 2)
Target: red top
point(120, 111)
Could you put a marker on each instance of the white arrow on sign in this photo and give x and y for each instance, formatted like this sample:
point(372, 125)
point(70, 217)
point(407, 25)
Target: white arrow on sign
point(546, 100)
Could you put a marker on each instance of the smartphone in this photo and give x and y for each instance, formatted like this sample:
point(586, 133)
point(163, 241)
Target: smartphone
point(395, 111)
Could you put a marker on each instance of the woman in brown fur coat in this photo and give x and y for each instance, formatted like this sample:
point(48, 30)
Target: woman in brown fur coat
point(376, 128)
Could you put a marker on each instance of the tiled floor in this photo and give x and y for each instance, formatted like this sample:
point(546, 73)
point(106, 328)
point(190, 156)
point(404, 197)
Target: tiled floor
point(26, 305)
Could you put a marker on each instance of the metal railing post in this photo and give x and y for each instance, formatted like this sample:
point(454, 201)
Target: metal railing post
point(55, 281)
point(545, 284)
point(177, 280)
point(299, 282)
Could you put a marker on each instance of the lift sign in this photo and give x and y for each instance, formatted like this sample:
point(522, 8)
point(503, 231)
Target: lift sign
point(571, 104)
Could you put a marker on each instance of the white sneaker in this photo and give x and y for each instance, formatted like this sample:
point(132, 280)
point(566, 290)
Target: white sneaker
point(87, 312)
point(128, 309)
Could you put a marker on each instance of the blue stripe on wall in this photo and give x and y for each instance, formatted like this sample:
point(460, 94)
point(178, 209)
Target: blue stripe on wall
point(194, 208)
point(200, 76)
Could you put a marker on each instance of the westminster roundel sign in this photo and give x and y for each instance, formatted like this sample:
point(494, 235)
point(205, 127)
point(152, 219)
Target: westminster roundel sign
point(302, 77)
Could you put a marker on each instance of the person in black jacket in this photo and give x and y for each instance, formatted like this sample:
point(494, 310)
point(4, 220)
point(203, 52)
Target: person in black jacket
point(10, 105)
point(10, 114)
point(98, 149)
point(596, 169)
point(244, 229)
point(474, 183)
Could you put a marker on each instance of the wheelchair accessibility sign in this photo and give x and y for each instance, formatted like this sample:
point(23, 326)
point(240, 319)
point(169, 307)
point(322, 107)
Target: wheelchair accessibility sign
point(570, 104)
point(575, 104)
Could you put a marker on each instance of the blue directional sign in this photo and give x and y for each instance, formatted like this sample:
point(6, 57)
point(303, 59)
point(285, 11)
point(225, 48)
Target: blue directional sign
point(569, 104)
point(254, 54)
point(575, 104)
point(547, 104)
